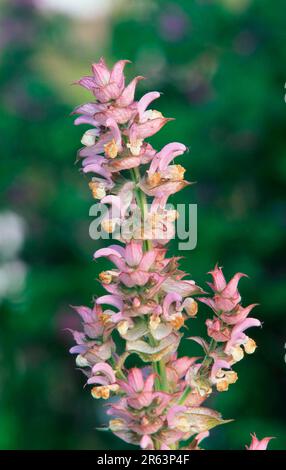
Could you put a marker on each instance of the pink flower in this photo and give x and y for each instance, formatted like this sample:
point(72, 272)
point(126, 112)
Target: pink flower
point(148, 123)
point(102, 374)
point(258, 445)
point(96, 324)
point(140, 415)
point(92, 324)
point(237, 315)
point(163, 158)
point(140, 392)
point(221, 375)
point(92, 352)
point(226, 295)
point(127, 96)
point(164, 179)
point(217, 330)
point(134, 266)
point(118, 209)
point(106, 85)
point(239, 338)
point(176, 370)
point(122, 110)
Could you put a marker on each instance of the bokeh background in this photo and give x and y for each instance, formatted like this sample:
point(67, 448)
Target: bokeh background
point(221, 67)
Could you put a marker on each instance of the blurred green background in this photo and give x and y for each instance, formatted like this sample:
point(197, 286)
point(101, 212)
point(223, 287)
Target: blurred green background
point(221, 67)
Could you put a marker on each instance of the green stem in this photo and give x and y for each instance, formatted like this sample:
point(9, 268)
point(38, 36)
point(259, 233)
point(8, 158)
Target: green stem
point(117, 368)
point(188, 389)
point(163, 375)
point(142, 203)
point(159, 367)
point(185, 395)
point(157, 378)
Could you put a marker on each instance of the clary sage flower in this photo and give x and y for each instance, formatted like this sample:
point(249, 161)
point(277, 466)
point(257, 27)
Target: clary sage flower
point(149, 302)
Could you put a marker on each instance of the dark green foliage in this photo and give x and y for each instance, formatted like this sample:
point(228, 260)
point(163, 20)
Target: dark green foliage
point(222, 76)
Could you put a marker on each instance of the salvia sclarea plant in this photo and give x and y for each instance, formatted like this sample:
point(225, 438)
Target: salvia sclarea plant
point(149, 299)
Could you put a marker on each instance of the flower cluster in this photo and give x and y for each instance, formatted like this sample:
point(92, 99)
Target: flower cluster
point(148, 298)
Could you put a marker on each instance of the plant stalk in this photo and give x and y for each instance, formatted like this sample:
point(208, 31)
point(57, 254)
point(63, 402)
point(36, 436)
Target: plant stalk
point(159, 367)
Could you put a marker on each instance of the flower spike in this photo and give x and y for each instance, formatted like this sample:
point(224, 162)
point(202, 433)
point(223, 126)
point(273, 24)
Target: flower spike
point(149, 302)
